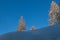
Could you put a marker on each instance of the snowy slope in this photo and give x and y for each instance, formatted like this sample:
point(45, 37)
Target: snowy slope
point(47, 33)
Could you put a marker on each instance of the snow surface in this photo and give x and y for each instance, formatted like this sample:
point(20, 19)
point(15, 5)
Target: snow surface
point(47, 33)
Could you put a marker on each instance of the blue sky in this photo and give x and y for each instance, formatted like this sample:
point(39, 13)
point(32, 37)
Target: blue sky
point(35, 13)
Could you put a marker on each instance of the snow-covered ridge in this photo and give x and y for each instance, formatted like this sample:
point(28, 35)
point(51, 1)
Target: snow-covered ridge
point(47, 33)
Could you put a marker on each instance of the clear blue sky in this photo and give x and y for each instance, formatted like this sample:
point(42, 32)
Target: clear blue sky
point(35, 13)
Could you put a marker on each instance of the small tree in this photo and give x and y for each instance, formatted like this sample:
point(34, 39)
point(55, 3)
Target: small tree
point(21, 25)
point(33, 28)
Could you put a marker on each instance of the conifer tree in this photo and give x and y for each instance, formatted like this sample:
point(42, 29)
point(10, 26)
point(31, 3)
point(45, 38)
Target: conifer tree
point(59, 14)
point(21, 24)
point(33, 28)
point(53, 14)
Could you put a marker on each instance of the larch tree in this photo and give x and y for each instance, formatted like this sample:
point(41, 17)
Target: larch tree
point(33, 28)
point(53, 14)
point(21, 24)
point(59, 14)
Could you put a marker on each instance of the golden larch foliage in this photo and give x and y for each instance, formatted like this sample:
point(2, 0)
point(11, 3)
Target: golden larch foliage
point(53, 14)
point(21, 24)
point(33, 28)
